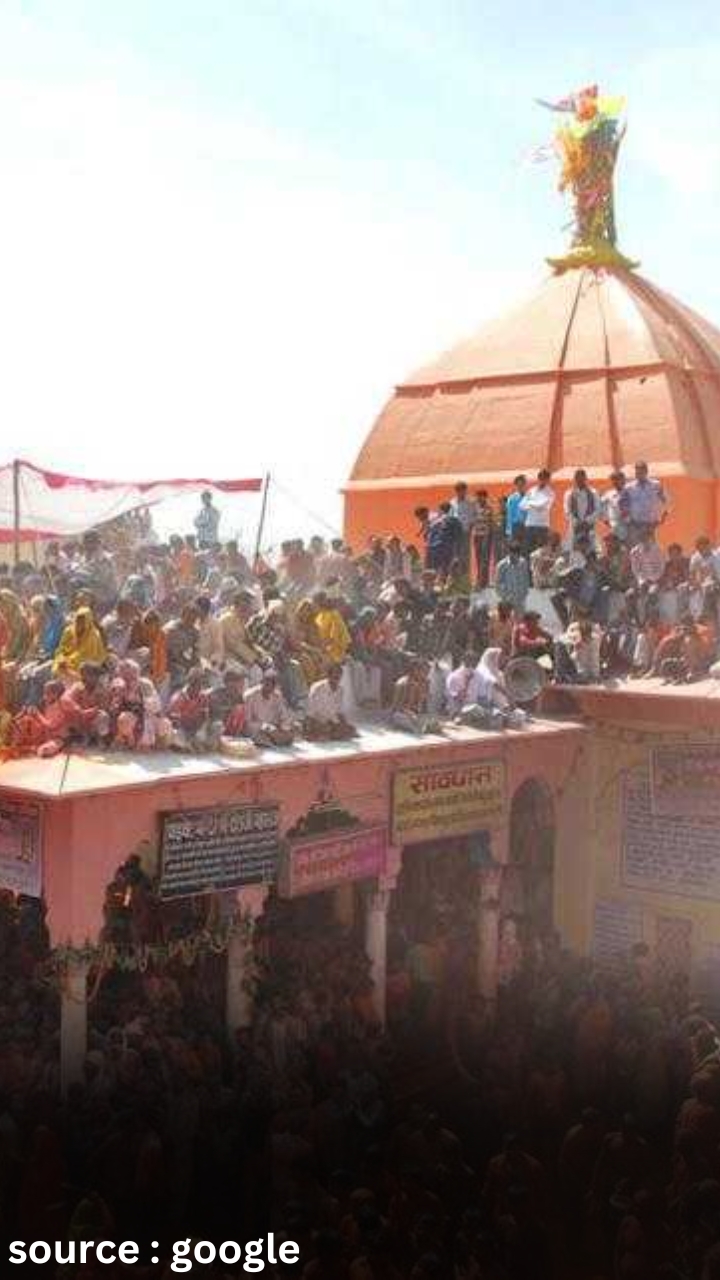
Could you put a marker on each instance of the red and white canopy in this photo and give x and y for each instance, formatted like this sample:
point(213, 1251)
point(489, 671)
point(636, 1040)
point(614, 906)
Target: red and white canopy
point(55, 505)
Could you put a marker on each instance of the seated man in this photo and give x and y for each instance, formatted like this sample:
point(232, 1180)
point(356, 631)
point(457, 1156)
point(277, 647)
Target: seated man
point(487, 703)
point(267, 716)
point(577, 653)
point(529, 640)
point(227, 706)
point(459, 683)
point(85, 705)
point(325, 718)
point(182, 638)
point(189, 713)
point(410, 710)
point(686, 653)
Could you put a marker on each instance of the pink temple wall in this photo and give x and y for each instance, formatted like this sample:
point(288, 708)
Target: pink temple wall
point(86, 838)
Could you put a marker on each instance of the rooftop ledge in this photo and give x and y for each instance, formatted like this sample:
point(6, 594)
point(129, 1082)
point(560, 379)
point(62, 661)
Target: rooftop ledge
point(89, 772)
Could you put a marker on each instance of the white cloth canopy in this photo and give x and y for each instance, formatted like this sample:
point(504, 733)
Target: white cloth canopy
point(55, 505)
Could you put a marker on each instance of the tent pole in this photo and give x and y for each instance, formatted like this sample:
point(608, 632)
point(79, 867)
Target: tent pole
point(16, 511)
point(261, 521)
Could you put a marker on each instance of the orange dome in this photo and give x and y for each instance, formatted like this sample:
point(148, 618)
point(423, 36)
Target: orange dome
point(595, 370)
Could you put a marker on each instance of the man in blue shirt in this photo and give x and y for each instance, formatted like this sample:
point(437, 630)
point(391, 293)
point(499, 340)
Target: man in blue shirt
point(514, 514)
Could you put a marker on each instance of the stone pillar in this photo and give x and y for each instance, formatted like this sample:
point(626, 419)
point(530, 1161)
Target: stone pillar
point(376, 947)
point(238, 996)
point(73, 1023)
point(489, 933)
point(239, 1003)
point(489, 917)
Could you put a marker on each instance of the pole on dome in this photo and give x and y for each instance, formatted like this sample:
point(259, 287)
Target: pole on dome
point(16, 510)
point(587, 143)
point(261, 521)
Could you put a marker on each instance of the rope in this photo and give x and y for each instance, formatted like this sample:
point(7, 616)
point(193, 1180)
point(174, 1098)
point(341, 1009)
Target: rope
point(306, 510)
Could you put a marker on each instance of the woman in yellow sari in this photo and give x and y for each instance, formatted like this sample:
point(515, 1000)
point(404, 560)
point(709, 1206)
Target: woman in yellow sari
point(80, 642)
point(307, 642)
point(334, 635)
point(15, 634)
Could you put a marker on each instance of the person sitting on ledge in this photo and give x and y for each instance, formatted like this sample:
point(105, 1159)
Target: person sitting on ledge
point(85, 704)
point(326, 719)
point(227, 706)
point(268, 718)
point(189, 713)
point(487, 703)
point(529, 639)
point(410, 707)
point(685, 654)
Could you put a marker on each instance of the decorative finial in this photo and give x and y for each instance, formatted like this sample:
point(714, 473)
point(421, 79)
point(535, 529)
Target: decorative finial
point(587, 146)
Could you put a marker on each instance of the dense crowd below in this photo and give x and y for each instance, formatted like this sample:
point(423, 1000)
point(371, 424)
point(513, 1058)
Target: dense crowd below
point(573, 1131)
point(118, 640)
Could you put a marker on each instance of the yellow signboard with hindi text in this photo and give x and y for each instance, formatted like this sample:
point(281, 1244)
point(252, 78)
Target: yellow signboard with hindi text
point(437, 801)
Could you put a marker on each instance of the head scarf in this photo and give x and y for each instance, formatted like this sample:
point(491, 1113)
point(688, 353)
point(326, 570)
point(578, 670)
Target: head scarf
point(147, 633)
point(489, 667)
point(15, 626)
point(74, 650)
point(52, 626)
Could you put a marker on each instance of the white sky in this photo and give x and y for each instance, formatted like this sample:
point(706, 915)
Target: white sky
point(192, 282)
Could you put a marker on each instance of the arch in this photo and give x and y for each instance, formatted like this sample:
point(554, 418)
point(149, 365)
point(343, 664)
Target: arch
point(528, 882)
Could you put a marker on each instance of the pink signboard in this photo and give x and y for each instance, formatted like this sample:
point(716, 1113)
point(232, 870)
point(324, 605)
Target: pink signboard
point(314, 865)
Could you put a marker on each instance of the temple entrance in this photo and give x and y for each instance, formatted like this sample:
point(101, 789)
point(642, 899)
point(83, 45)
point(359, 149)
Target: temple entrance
point(526, 898)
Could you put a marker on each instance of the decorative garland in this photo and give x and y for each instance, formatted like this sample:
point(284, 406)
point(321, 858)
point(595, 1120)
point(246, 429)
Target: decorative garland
point(139, 957)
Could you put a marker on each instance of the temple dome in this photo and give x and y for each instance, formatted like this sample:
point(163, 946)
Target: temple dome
point(596, 369)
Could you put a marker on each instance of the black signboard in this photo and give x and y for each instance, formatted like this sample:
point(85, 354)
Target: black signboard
point(207, 850)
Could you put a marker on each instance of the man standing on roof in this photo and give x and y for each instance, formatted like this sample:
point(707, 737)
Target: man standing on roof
point(207, 522)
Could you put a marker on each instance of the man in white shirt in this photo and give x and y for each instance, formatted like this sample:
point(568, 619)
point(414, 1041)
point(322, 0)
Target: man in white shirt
point(267, 715)
point(537, 505)
point(582, 509)
point(325, 719)
point(613, 507)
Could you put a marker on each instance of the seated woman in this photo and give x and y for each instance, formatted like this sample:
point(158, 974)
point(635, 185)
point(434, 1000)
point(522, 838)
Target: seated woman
point(44, 730)
point(410, 708)
point(268, 720)
point(46, 627)
point(487, 702)
point(307, 642)
point(335, 638)
point(81, 643)
point(325, 718)
point(147, 635)
point(136, 711)
point(14, 645)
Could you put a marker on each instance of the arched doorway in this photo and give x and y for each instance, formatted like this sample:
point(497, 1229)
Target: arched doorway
point(526, 899)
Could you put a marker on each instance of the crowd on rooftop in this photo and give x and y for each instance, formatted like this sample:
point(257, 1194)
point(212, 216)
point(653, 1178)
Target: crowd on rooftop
point(119, 640)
